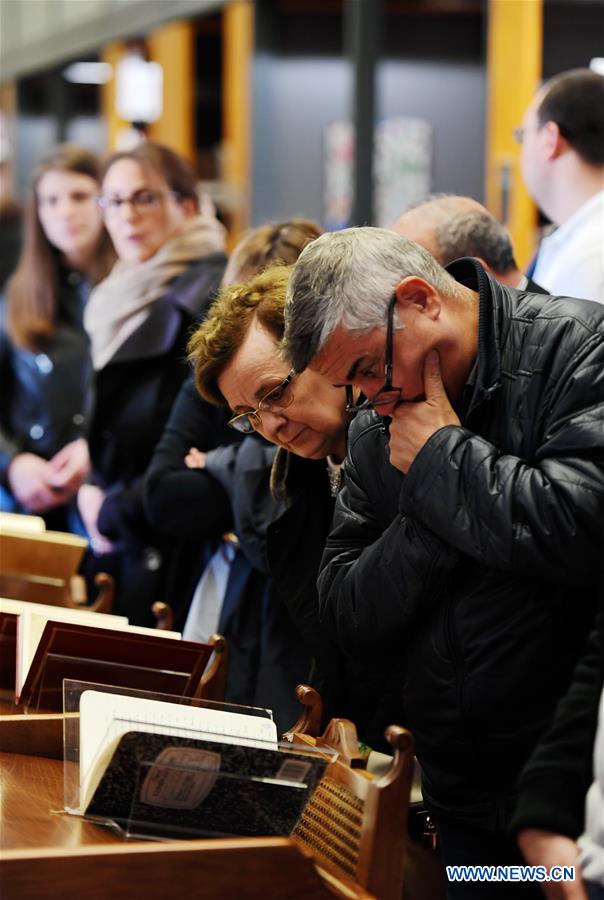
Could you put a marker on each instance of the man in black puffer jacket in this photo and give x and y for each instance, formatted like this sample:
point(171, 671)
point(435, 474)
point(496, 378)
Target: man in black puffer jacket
point(467, 535)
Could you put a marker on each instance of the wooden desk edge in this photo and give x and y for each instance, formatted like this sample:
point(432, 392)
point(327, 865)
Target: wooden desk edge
point(131, 848)
point(37, 734)
point(242, 867)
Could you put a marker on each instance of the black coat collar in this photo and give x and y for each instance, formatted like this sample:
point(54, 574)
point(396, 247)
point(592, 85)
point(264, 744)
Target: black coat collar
point(485, 377)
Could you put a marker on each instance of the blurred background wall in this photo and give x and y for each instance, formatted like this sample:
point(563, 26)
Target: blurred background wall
point(250, 91)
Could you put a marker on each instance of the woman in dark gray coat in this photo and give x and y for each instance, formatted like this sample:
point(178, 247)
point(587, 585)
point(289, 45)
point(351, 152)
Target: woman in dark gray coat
point(44, 352)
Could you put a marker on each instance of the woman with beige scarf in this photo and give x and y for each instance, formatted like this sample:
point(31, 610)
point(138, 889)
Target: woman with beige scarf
point(170, 261)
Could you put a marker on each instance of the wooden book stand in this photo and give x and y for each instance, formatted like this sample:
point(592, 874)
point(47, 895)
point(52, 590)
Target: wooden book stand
point(213, 681)
point(356, 825)
point(350, 842)
point(40, 567)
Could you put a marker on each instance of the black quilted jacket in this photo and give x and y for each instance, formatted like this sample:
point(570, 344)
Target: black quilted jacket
point(479, 566)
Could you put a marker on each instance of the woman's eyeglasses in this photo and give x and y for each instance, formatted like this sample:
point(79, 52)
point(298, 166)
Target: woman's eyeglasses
point(278, 398)
point(141, 201)
point(387, 393)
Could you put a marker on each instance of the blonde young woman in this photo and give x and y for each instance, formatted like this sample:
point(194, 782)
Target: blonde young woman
point(44, 350)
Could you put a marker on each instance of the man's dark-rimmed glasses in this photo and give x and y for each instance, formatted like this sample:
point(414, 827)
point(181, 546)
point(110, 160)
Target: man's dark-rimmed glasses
point(387, 393)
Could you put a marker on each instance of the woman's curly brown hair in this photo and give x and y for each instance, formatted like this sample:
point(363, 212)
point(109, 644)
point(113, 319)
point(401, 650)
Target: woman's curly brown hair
point(213, 345)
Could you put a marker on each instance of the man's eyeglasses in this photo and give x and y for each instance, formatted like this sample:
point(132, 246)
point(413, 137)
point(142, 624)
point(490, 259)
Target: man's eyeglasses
point(387, 393)
point(518, 134)
point(278, 398)
point(141, 201)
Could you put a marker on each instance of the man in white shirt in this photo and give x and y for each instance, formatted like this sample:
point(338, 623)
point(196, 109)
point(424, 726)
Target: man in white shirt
point(562, 138)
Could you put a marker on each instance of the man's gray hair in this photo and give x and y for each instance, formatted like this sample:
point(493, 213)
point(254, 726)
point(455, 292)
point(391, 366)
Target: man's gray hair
point(463, 227)
point(477, 234)
point(347, 278)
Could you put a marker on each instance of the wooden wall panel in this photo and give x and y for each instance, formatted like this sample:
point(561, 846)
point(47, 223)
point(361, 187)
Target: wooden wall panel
point(111, 53)
point(514, 60)
point(238, 39)
point(173, 46)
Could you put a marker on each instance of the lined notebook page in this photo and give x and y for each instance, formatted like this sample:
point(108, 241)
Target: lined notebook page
point(104, 718)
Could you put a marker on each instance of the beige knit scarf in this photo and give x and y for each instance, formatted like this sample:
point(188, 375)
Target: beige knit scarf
point(120, 304)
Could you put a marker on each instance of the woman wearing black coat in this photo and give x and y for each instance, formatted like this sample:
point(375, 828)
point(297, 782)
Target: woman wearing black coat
point(138, 318)
point(268, 655)
point(282, 514)
point(230, 493)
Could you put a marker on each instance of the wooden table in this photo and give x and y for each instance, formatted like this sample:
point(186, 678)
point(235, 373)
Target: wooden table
point(46, 853)
point(31, 807)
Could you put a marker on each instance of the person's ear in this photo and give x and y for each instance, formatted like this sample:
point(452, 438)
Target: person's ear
point(189, 207)
point(552, 141)
point(418, 295)
point(485, 266)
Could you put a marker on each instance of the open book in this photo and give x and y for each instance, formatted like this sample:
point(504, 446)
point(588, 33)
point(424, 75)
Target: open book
point(170, 770)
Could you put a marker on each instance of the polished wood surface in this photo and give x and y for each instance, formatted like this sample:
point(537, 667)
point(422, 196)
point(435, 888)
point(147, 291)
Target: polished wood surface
point(53, 555)
point(45, 852)
point(40, 567)
point(254, 869)
point(213, 681)
point(309, 723)
point(32, 807)
point(355, 824)
point(37, 734)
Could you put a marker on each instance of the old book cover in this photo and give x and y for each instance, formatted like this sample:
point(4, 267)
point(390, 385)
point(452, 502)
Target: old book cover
point(8, 651)
point(147, 661)
point(105, 717)
point(33, 619)
point(164, 786)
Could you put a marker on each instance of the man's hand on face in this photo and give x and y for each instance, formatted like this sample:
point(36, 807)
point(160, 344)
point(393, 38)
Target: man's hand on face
point(413, 423)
